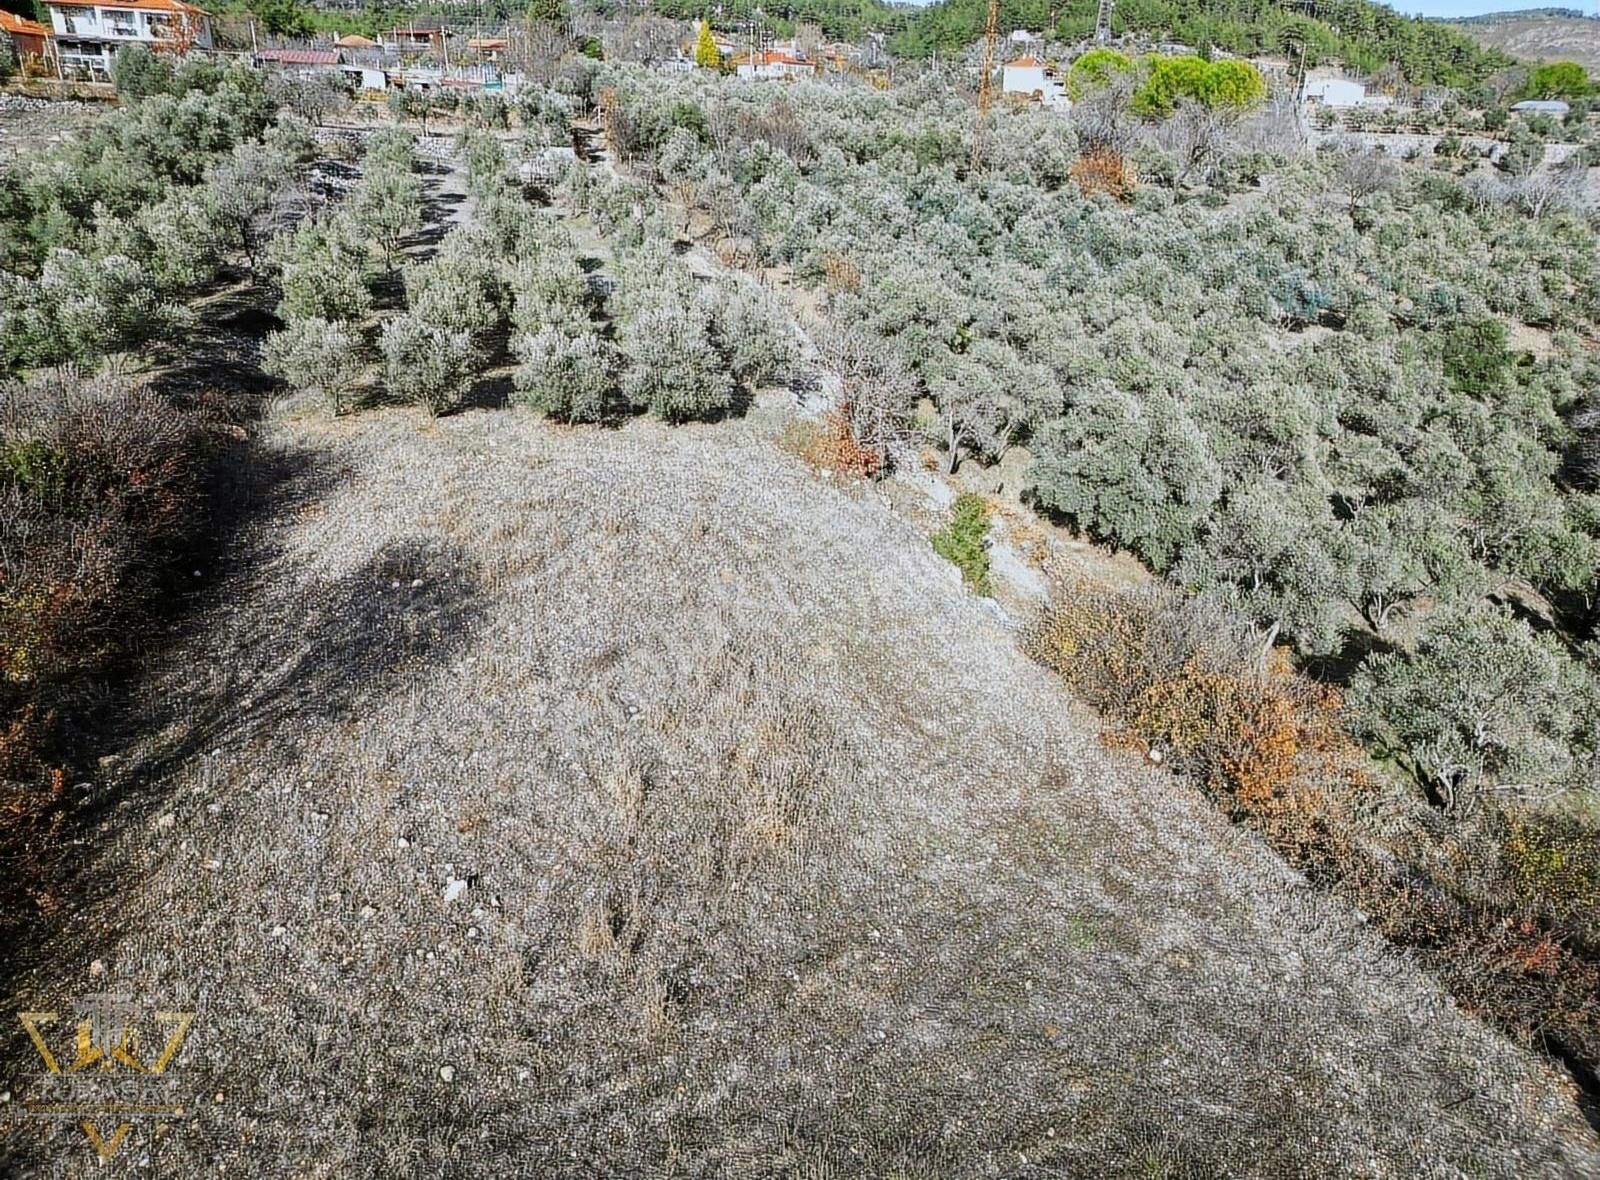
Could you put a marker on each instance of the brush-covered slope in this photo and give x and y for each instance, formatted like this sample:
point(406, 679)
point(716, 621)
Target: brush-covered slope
point(634, 803)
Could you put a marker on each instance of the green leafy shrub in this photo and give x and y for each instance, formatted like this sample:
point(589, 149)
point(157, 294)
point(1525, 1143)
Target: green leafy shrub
point(961, 541)
point(425, 364)
point(1551, 864)
point(1475, 356)
point(674, 369)
point(316, 355)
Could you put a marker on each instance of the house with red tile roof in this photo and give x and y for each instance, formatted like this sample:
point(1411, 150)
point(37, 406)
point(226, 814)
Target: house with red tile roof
point(773, 63)
point(29, 37)
point(1029, 78)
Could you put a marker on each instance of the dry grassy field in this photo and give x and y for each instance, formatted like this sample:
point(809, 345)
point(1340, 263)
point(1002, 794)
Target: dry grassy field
point(570, 803)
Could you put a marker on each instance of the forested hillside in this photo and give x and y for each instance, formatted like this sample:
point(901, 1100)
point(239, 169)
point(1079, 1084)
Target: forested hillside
point(1367, 36)
point(845, 20)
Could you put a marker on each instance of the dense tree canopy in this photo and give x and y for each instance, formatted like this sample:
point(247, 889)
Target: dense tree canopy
point(1308, 406)
point(1367, 36)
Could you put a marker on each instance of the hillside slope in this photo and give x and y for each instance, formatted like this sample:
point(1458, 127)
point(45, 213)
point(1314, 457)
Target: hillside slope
point(1542, 38)
point(775, 856)
point(1364, 35)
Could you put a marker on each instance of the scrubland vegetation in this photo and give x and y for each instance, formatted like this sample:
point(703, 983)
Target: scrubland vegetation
point(1345, 406)
point(1346, 413)
point(102, 242)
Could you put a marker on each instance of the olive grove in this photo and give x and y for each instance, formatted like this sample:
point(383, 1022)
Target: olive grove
point(1306, 406)
point(1341, 404)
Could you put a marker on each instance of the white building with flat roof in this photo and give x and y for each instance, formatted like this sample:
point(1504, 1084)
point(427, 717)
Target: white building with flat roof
point(1336, 92)
point(1027, 77)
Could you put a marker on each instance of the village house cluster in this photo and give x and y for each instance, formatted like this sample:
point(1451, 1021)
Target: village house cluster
point(80, 42)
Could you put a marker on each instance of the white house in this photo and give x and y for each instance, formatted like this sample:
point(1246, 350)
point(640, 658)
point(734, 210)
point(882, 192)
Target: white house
point(365, 77)
point(772, 64)
point(1028, 77)
point(1336, 92)
point(89, 35)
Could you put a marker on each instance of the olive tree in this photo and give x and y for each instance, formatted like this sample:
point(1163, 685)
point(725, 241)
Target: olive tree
point(1481, 704)
point(459, 292)
point(752, 332)
point(567, 372)
point(241, 189)
point(322, 271)
point(316, 355)
point(426, 365)
point(674, 369)
point(1136, 472)
point(387, 207)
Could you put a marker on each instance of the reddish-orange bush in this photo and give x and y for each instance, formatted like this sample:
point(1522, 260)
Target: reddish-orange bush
point(1181, 686)
point(1103, 170)
point(834, 447)
point(840, 273)
point(1253, 730)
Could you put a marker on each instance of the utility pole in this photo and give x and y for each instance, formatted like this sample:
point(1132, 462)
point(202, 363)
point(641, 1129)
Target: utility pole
point(985, 89)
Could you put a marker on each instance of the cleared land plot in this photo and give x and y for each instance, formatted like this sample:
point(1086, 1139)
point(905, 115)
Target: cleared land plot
point(775, 857)
point(30, 125)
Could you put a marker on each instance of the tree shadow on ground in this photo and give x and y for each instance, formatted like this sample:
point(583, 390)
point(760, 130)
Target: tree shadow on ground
point(491, 391)
point(1339, 665)
point(128, 731)
point(278, 662)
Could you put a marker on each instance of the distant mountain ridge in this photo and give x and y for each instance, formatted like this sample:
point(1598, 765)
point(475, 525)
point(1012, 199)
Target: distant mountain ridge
point(1495, 18)
point(1540, 36)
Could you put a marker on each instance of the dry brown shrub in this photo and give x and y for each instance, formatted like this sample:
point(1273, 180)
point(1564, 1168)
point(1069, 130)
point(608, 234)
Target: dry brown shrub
point(1181, 685)
point(1104, 170)
point(1260, 736)
point(832, 446)
point(840, 273)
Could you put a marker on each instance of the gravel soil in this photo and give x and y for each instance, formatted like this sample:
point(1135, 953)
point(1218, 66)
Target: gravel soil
point(565, 803)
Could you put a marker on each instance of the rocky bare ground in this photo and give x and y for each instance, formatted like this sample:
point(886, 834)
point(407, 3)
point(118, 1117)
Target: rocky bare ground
point(555, 802)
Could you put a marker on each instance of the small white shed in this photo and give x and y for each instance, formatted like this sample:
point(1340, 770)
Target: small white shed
point(1336, 92)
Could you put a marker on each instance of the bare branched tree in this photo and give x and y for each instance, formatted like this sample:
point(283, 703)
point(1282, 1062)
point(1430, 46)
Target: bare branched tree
point(1103, 119)
point(1195, 136)
point(877, 391)
point(1367, 173)
point(645, 39)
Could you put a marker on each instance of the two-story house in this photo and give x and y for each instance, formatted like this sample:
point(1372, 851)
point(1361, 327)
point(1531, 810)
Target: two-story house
point(88, 36)
point(1031, 79)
